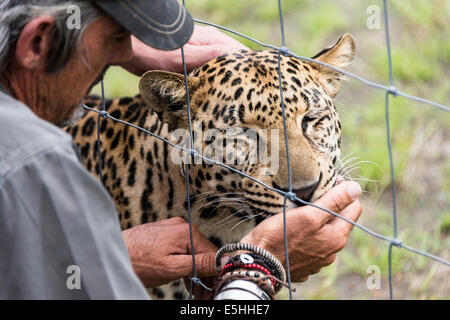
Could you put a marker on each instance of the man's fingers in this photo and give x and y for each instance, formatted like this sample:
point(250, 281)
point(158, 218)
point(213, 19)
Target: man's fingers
point(336, 200)
point(169, 222)
point(201, 243)
point(204, 263)
point(207, 35)
point(205, 254)
point(198, 55)
point(352, 212)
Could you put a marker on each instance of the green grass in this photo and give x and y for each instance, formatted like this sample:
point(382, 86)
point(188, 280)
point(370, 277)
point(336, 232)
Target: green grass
point(118, 83)
point(445, 223)
point(420, 31)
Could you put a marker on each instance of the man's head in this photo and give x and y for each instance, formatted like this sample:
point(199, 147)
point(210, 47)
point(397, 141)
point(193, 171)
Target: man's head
point(50, 63)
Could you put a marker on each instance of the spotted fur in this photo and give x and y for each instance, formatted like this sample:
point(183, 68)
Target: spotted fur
point(238, 90)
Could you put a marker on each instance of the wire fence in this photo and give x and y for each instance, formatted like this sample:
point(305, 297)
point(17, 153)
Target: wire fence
point(390, 90)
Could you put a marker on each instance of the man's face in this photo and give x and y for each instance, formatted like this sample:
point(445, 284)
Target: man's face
point(104, 43)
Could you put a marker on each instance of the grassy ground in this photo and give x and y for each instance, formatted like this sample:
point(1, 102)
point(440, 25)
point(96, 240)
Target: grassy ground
point(420, 34)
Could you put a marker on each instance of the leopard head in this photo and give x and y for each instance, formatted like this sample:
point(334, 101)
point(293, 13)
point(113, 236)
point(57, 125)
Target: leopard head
point(235, 104)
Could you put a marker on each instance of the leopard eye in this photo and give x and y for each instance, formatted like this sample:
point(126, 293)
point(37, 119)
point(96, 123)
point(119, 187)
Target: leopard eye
point(305, 122)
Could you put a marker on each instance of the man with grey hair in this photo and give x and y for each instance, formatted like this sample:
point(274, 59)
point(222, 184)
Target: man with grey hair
point(59, 232)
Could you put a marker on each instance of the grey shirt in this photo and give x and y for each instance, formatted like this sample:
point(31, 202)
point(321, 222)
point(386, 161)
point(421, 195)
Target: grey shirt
point(59, 231)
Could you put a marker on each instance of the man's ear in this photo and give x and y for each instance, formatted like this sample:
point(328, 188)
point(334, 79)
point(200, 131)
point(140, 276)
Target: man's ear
point(34, 43)
point(165, 92)
point(340, 55)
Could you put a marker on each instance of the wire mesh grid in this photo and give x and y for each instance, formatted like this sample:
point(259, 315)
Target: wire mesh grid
point(390, 90)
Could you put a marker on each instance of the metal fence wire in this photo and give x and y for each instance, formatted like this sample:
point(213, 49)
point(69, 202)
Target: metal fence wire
point(390, 90)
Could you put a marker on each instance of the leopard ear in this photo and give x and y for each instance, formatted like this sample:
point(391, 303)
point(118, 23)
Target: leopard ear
point(340, 55)
point(165, 92)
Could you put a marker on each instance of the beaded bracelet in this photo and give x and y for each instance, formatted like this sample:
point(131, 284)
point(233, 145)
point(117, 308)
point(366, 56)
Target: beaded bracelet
point(251, 266)
point(265, 255)
point(253, 258)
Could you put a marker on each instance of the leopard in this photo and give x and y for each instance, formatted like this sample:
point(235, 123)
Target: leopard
point(262, 92)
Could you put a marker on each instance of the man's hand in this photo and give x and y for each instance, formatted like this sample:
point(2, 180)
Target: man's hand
point(160, 252)
point(314, 236)
point(205, 44)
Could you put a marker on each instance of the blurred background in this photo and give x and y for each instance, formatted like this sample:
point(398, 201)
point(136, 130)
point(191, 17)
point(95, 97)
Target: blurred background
point(420, 44)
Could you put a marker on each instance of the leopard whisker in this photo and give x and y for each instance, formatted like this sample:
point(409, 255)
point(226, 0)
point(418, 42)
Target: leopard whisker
point(240, 207)
point(345, 159)
point(246, 219)
point(347, 155)
point(347, 173)
point(206, 194)
point(346, 163)
point(362, 162)
point(359, 178)
point(222, 222)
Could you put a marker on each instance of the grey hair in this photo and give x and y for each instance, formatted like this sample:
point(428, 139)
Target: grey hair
point(16, 14)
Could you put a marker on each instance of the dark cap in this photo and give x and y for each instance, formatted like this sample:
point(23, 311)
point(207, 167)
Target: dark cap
point(162, 24)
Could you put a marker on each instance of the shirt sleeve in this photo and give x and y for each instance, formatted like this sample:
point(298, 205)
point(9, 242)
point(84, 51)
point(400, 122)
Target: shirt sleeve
point(60, 236)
